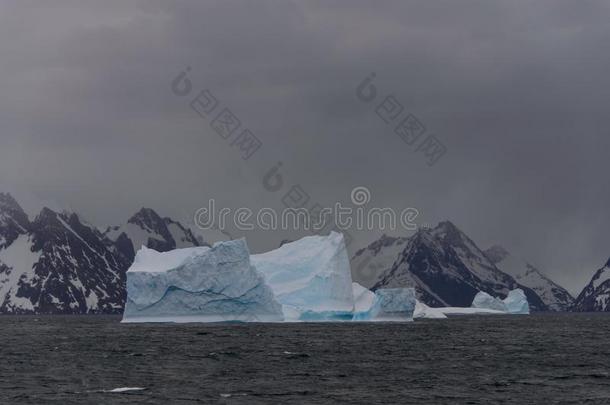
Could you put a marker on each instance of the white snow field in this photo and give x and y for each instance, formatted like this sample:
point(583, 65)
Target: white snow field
point(199, 285)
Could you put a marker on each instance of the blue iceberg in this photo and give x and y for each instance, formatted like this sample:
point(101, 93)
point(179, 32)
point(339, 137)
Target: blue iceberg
point(310, 277)
point(485, 301)
point(304, 281)
point(389, 305)
point(199, 285)
point(516, 302)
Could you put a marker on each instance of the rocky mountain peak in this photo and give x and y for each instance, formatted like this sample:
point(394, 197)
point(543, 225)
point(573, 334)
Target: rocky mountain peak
point(7, 202)
point(147, 218)
point(496, 254)
point(13, 220)
point(449, 233)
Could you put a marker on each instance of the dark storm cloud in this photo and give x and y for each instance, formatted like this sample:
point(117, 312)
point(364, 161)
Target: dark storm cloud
point(517, 91)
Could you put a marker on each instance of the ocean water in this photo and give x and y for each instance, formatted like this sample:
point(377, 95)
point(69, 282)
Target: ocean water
point(538, 359)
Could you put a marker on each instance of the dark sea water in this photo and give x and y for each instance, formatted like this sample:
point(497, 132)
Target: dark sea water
point(538, 359)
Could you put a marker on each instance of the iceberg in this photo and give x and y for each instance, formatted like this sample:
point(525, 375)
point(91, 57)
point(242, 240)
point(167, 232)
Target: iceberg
point(516, 302)
point(306, 280)
point(389, 305)
point(199, 285)
point(485, 301)
point(424, 311)
point(310, 277)
point(363, 298)
point(450, 311)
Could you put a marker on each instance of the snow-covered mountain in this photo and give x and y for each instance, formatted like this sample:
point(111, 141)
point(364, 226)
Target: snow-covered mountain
point(57, 263)
point(147, 228)
point(445, 267)
point(596, 295)
point(369, 263)
point(13, 220)
point(61, 265)
point(553, 295)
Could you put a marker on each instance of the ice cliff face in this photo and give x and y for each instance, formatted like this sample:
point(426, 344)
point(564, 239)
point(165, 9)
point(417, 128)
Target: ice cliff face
point(596, 295)
point(310, 276)
point(390, 305)
point(199, 284)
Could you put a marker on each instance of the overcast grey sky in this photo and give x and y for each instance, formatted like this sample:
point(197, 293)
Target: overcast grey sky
point(517, 91)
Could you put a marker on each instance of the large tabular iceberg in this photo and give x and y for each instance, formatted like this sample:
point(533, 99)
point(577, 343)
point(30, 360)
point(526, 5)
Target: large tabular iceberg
point(311, 278)
point(199, 285)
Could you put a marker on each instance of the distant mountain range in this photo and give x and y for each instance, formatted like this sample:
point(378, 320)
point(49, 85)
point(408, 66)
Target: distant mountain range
point(596, 295)
point(59, 264)
point(555, 297)
point(447, 268)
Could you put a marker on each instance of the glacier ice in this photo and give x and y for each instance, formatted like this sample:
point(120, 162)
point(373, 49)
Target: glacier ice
point(363, 298)
point(485, 301)
point(449, 311)
point(310, 277)
point(389, 304)
point(424, 311)
point(516, 302)
point(199, 285)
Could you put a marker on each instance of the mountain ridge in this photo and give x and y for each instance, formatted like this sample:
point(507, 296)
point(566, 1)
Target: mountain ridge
point(59, 264)
point(443, 264)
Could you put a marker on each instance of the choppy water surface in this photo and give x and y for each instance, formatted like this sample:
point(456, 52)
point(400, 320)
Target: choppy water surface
point(547, 358)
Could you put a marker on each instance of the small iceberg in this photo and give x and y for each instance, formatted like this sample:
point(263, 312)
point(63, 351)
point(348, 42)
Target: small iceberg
point(423, 311)
point(387, 305)
point(514, 303)
point(485, 301)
